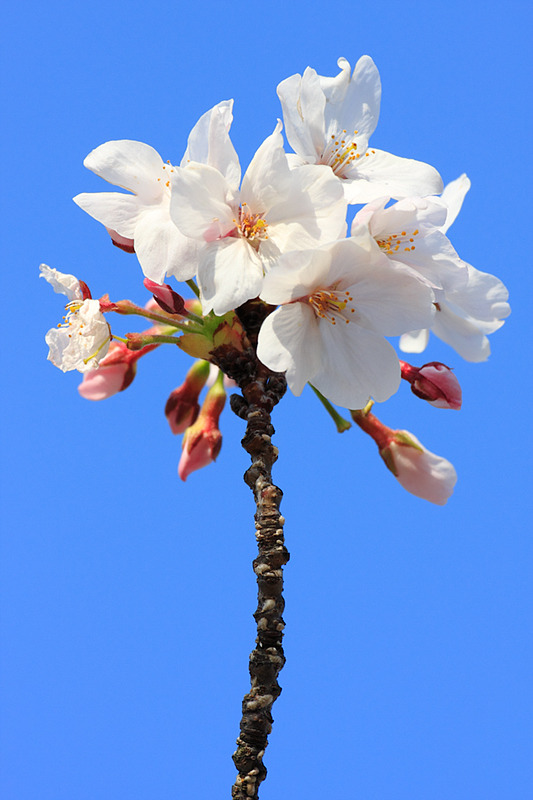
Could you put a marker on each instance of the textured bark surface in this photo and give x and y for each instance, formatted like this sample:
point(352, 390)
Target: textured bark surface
point(261, 390)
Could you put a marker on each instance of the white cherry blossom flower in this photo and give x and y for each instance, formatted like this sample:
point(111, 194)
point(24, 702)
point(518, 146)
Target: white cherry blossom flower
point(330, 120)
point(337, 304)
point(410, 232)
point(244, 232)
point(468, 309)
point(141, 220)
point(83, 337)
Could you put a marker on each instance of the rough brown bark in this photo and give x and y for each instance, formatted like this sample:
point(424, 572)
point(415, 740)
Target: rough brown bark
point(261, 390)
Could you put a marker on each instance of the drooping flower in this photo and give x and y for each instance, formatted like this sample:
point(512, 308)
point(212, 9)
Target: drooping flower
point(330, 120)
point(337, 304)
point(83, 337)
point(244, 232)
point(419, 471)
point(141, 221)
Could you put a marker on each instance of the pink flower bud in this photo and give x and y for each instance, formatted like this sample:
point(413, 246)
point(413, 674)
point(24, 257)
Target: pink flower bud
point(202, 440)
point(434, 382)
point(419, 471)
point(114, 374)
point(182, 406)
point(165, 296)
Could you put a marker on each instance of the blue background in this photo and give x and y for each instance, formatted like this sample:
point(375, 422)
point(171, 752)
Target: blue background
point(127, 596)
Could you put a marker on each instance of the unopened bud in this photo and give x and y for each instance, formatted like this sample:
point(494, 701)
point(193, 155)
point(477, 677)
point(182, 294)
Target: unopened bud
point(114, 374)
point(419, 471)
point(165, 296)
point(434, 382)
point(182, 407)
point(202, 440)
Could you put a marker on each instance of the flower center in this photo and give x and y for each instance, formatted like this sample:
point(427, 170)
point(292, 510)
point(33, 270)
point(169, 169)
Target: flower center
point(251, 226)
point(395, 241)
point(331, 305)
point(165, 179)
point(340, 152)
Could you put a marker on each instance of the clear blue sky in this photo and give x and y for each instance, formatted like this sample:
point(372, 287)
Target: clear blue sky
point(408, 632)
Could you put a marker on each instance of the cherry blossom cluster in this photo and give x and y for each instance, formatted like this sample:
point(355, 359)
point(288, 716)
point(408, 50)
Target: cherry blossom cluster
point(281, 235)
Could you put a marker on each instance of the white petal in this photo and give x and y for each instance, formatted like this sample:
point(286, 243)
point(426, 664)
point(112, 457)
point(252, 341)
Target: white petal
point(414, 341)
point(198, 202)
point(295, 275)
point(378, 173)
point(357, 364)
point(303, 103)
point(129, 164)
point(61, 282)
point(452, 196)
point(209, 143)
point(116, 211)
point(82, 342)
point(161, 248)
point(356, 106)
point(392, 300)
point(312, 212)
point(461, 333)
point(289, 342)
point(229, 273)
point(267, 178)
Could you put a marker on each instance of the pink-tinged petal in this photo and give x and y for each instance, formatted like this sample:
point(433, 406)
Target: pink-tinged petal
point(132, 165)
point(203, 451)
point(162, 249)
point(106, 381)
point(209, 143)
point(289, 341)
point(434, 382)
point(118, 212)
point(199, 203)
point(414, 341)
point(166, 298)
point(354, 105)
point(360, 364)
point(229, 273)
point(122, 242)
point(378, 173)
point(421, 472)
point(452, 196)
